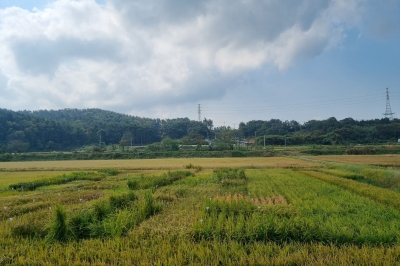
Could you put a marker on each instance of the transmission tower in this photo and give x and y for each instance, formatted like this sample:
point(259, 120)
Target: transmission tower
point(388, 112)
point(199, 112)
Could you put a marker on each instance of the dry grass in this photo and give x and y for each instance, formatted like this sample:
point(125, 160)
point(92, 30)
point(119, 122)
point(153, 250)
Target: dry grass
point(158, 164)
point(378, 160)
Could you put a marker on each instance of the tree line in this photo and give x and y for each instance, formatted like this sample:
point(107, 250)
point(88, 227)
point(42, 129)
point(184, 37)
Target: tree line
point(67, 129)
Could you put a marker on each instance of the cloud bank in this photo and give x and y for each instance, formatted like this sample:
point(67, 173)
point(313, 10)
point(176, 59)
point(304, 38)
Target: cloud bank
point(136, 55)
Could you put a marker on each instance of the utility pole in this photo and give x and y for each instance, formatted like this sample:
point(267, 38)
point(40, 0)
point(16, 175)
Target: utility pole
point(264, 141)
point(199, 112)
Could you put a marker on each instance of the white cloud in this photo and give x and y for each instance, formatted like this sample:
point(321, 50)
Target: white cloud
point(139, 54)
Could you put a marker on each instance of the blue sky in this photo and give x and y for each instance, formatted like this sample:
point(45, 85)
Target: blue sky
point(26, 4)
point(241, 60)
point(30, 4)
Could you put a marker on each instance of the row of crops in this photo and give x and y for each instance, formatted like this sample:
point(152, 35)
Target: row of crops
point(203, 216)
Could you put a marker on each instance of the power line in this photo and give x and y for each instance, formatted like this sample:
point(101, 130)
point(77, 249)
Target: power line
point(248, 105)
point(311, 105)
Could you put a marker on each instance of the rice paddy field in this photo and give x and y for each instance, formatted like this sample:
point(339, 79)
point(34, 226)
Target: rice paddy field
point(392, 160)
point(228, 211)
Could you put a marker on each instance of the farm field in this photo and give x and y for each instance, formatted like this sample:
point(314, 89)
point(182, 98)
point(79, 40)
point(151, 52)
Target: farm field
point(268, 211)
point(378, 160)
point(155, 164)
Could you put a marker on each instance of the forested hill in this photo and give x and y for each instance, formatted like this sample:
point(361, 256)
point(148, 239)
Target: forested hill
point(70, 128)
point(108, 125)
point(66, 129)
point(326, 132)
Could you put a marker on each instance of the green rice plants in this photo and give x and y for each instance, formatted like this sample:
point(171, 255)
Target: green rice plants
point(229, 173)
point(58, 180)
point(79, 225)
point(180, 192)
point(233, 182)
point(342, 173)
point(384, 196)
point(59, 229)
point(118, 224)
point(109, 171)
point(31, 227)
point(133, 184)
point(166, 198)
point(101, 210)
point(157, 181)
point(122, 201)
point(148, 207)
point(302, 220)
point(197, 168)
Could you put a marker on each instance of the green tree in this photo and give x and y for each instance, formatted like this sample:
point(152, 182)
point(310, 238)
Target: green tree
point(128, 137)
point(169, 144)
point(123, 144)
point(208, 123)
point(17, 146)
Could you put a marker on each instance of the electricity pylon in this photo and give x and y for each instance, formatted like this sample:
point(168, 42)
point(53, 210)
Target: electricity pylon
point(388, 112)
